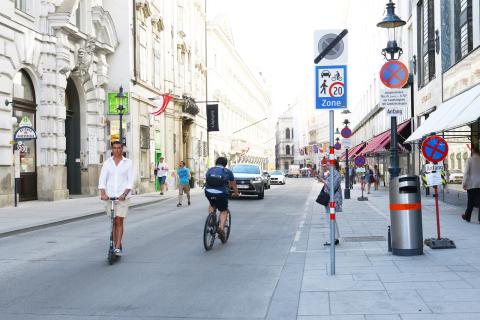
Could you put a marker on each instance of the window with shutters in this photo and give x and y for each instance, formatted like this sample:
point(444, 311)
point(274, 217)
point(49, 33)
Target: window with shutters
point(426, 41)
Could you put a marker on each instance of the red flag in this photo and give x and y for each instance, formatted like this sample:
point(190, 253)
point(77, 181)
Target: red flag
point(160, 110)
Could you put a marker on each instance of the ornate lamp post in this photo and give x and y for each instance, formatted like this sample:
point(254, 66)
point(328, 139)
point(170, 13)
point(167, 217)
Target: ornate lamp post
point(122, 100)
point(392, 52)
point(347, 172)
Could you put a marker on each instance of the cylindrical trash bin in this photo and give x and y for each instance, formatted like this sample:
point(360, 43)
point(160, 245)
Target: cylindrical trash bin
point(406, 216)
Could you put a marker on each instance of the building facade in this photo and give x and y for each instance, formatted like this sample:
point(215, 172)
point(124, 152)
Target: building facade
point(447, 75)
point(284, 141)
point(54, 75)
point(246, 132)
point(164, 49)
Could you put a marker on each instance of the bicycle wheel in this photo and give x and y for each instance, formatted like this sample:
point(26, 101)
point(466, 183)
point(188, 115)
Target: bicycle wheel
point(209, 232)
point(227, 227)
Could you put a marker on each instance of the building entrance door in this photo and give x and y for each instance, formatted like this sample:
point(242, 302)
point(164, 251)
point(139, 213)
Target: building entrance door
point(72, 136)
point(24, 108)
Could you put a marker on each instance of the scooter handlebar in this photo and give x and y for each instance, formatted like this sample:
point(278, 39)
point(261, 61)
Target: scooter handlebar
point(112, 199)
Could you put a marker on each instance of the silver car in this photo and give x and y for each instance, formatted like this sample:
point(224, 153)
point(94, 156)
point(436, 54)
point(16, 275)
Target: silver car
point(249, 179)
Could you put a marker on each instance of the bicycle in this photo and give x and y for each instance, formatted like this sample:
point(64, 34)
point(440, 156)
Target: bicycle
point(211, 227)
point(112, 257)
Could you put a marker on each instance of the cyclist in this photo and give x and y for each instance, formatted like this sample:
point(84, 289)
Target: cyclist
point(116, 181)
point(219, 180)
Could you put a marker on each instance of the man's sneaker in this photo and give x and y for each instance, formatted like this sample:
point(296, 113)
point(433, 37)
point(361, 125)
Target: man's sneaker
point(117, 251)
point(179, 205)
point(188, 202)
point(161, 193)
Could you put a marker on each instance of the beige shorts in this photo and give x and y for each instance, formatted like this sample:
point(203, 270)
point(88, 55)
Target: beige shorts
point(121, 208)
point(184, 187)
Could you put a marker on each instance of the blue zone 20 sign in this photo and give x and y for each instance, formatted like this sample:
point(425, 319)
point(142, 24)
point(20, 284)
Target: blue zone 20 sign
point(331, 87)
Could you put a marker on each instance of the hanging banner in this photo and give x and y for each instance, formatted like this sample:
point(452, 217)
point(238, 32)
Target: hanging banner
point(212, 117)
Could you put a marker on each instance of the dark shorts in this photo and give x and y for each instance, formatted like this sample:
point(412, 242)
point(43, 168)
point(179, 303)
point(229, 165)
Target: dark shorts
point(161, 180)
point(217, 200)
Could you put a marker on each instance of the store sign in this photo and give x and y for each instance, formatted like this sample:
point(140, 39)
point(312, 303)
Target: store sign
point(113, 104)
point(212, 117)
point(395, 101)
point(24, 133)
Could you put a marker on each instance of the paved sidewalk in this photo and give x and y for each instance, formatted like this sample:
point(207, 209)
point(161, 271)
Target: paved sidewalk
point(33, 215)
point(371, 283)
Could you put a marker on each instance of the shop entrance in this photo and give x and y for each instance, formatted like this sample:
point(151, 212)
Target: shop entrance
point(72, 136)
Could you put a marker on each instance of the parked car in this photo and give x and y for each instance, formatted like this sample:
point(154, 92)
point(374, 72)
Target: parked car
point(266, 179)
point(293, 171)
point(277, 177)
point(249, 179)
point(455, 176)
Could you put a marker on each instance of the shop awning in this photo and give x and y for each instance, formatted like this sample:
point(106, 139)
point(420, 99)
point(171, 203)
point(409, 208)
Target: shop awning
point(459, 111)
point(380, 142)
point(352, 152)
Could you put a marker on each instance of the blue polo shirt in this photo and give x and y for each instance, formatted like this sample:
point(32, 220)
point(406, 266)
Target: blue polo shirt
point(183, 174)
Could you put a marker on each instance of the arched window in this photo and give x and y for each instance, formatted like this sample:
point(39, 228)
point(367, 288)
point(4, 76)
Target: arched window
point(292, 133)
point(287, 134)
point(287, 149)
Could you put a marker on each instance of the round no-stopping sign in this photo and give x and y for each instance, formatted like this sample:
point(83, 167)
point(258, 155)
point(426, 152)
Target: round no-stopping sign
point(346, 132)
point(435, 149)
point(359, 161)
point(394, 74)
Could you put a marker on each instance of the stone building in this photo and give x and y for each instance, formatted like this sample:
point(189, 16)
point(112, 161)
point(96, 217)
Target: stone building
point(284, 141)
point(447, 69)
point(55, 74)
point(246, 132)
point(163, 45)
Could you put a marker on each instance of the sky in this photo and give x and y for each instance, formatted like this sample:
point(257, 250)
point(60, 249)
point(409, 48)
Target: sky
point(275, 37)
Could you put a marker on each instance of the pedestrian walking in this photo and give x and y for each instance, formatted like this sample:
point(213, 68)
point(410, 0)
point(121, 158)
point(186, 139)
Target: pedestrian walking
point(184, 177)
point(162, 171)
point(337, 196)
point(376, 177)
point(471, 183)
point(367, 179)
point(116, 181)
point(352, 175)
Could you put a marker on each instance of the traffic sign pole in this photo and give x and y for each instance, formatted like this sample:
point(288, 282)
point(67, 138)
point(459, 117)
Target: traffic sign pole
point(332, 197)
point(435, 149)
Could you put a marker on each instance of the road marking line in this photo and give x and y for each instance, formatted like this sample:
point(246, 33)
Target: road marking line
point(297, 236)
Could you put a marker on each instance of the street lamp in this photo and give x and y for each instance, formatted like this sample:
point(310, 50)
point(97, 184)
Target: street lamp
point(391, 21)
point(121, 100)
point(347, 172)
point(392, 52)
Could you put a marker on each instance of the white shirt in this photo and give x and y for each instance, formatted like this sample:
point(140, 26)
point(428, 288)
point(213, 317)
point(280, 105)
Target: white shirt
point(162, 169)
point(115, 179)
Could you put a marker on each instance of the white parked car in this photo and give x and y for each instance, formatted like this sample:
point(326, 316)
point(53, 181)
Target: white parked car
point(455, 176)
point(277, 177)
